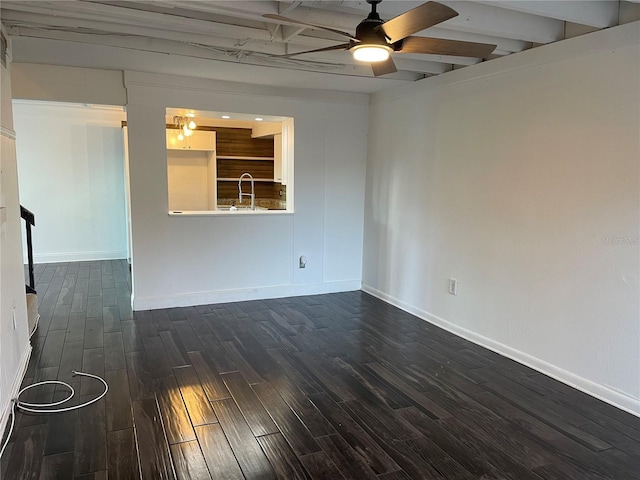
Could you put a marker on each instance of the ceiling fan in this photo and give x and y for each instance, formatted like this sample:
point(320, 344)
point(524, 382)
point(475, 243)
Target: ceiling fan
point(375, 39)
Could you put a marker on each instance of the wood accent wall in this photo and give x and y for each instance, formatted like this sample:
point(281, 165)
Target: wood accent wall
point(228, 168)
point(238, 142)
point(264, 190)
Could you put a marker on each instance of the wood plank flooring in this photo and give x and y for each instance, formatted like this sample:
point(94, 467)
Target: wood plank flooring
point(339, 386)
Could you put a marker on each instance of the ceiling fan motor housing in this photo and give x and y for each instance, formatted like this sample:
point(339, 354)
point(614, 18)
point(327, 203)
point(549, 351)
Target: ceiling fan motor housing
point(367, 33)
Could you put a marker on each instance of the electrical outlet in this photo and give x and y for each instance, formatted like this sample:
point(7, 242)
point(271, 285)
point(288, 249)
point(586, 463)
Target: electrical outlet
point(453, 286)
point(303, 261)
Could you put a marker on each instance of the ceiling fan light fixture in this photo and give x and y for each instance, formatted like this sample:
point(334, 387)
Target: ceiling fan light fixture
point(371, 53)
point(375, 40)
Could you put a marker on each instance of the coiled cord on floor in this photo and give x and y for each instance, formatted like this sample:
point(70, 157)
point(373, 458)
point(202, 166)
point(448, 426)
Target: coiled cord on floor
point(46, 407)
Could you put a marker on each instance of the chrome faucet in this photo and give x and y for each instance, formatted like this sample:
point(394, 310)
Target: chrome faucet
point(252, 194)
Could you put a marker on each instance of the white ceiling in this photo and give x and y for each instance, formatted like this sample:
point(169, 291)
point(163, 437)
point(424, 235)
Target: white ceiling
point(234, 32)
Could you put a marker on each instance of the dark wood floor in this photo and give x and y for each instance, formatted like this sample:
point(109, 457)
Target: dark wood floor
point(322, 387)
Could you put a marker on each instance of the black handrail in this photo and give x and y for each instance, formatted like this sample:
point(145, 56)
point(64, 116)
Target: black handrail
point(29, 220)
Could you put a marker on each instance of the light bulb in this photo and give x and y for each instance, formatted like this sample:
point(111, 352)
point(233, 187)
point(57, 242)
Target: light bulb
point(180, 137)
point(192, 125)
point(188, 132)
point(371, 53)
point(185, 129)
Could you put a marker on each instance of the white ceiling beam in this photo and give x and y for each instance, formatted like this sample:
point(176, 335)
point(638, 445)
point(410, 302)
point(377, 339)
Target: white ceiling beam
point(91, 11)
point(448, 59)
point(42, 22)
point(251, 10)
point(323, 61)
point(190, 51)
point(504, 44)
point(501, 22)
point(484, 20)
point(150, 30)
point(473, 17)
point(594, 13)
point(157, 45)
point(230, 11)
point(290, 32)
point(35, 21)
point(130, 16)
point(221, 39)
point(284, 9)
point(476, 18)
point(273, 29)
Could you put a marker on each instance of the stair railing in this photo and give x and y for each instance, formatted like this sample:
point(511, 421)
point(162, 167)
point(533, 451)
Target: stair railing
point(30, 221)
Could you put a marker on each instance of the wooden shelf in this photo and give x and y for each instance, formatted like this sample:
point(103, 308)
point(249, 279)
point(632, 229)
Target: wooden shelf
point(234, 157)
point(223, 179)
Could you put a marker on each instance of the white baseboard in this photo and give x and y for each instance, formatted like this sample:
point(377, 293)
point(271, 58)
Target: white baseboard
point(601, 392)
point(15, 388)
point(77, 256)
point(243, 294)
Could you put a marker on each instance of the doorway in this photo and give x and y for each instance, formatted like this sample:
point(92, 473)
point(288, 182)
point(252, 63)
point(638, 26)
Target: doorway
point(72, 176)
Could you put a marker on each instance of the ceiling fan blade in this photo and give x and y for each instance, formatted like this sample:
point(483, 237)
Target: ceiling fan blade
point(342, 46)
point(440, 46)
point(417, 19)
point(382, 68)
point(298, 22)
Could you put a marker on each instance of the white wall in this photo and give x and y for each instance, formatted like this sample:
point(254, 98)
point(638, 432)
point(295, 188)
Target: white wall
point(71, 173)
point(519, 178)
point(56, 83)
point(14, 338)
point(179, 260)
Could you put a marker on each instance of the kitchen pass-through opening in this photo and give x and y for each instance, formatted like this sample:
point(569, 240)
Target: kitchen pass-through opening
point(228, 163)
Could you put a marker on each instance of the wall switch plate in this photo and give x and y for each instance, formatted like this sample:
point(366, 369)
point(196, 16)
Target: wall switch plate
point(453, 286)
point(303, 262)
